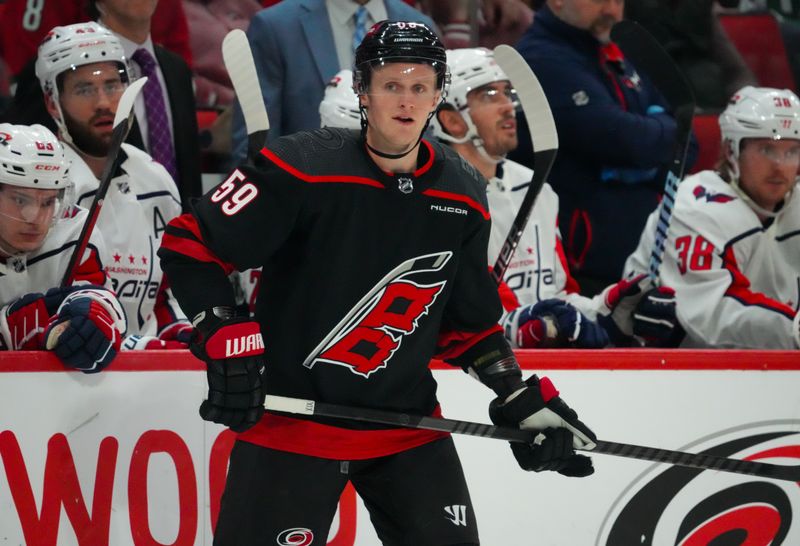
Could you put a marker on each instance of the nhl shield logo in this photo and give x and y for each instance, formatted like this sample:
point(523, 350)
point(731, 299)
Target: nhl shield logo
point(405, 184)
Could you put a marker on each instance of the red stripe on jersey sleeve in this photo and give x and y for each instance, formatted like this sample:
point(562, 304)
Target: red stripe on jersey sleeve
point(305, 177)
point(458, 197)
point(571, 285)
point(453, 344)
point(91, 269)
point(507, 296)
point(740, 288)
point(194, 249)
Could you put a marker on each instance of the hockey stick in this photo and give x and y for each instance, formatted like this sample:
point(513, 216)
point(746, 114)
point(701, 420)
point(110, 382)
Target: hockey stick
point(241, 68)
point(702, 461)
point(648, 55)
point(123, 120)
point(545, 142)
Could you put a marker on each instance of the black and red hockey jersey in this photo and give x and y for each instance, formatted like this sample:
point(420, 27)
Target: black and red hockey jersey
point(366, 275)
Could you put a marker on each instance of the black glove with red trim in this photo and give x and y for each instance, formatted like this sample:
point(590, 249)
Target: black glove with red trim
point(538, 407)
point(233, 350)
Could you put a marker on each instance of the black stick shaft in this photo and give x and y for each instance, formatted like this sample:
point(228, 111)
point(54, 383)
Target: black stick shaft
point(631, 451)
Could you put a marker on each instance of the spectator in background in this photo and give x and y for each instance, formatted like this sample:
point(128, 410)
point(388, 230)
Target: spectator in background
point(733, 247)
point(615, 137)
point(477, 120)
point(39, 228)
point(83, 72)
point(495, 22)
point(130, 21)
point(209, 21)
point(298, 46)
point(25, 23)
point(166, 115)
point(788, 14)
point(691, 33)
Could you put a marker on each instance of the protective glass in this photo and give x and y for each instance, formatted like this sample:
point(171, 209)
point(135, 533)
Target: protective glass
point(771, 152)
point(493, 95)
point(30, 205)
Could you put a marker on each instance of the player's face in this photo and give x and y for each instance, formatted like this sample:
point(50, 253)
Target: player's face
point(398, 102)
point(128, 10)
point(768, 169)
point(596, 16)
point(26, 215)
point(89, 98)
point(491, 108)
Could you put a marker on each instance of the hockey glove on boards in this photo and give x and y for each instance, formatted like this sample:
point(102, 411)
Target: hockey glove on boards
point(233, 350)
point(556, 323)
point(81, 324)
point(616, 308)
point(538, 407)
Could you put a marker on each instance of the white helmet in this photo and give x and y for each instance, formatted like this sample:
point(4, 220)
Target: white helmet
point(339, 106)
point(68, 47)
point(32, 157)
point(760, 112)
point(470, 68)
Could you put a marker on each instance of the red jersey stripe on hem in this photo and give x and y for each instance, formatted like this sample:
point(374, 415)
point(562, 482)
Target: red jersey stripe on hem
point(330, 442)
point(305, 177)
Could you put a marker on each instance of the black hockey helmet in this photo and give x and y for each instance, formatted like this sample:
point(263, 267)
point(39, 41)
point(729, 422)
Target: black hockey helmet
point(399, 42)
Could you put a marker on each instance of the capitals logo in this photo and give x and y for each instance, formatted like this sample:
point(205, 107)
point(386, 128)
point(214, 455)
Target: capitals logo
point(700, 192)
point(693, 507)
point(367, 337)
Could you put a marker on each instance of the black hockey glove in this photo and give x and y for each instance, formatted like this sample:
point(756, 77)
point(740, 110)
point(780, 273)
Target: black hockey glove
point(655, 320)
point(233, 350)
point(538, 407)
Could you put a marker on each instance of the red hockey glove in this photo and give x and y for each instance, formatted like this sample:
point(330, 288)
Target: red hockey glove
point(655, 320)
point(86, 331)
point(572, 328)
point(618, 303)
point(179, 331)
point(538, 407)
point(24, 321)
point(233, 350)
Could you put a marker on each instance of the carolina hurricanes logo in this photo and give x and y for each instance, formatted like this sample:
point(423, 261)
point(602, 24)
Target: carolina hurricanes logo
point(691, 507)
point(5, 138)
point(297, 536)
point(700, 192)
point(367, 337)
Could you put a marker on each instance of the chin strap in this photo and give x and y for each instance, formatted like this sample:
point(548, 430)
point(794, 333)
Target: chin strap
point(753, 205)
point(365, 124)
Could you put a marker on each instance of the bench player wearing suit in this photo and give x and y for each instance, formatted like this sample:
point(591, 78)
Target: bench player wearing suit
point(733, 247)
point(83, 72)
point(373, 249)
point(478, 121)
point(39, 228)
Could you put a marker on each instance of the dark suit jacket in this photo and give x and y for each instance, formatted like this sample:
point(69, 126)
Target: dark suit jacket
point(27, 108)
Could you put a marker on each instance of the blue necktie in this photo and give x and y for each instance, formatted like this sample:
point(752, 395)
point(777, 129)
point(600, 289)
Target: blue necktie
point(361, 27)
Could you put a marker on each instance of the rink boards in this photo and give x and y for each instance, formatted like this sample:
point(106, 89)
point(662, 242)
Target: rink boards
point(122, 457)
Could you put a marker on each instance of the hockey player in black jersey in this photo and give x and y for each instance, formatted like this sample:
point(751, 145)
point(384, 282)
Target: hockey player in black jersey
point(373, 248)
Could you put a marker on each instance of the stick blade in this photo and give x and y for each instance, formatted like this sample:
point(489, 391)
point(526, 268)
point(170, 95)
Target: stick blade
point(242, 71)
point(531, 96)
point(125, 105)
